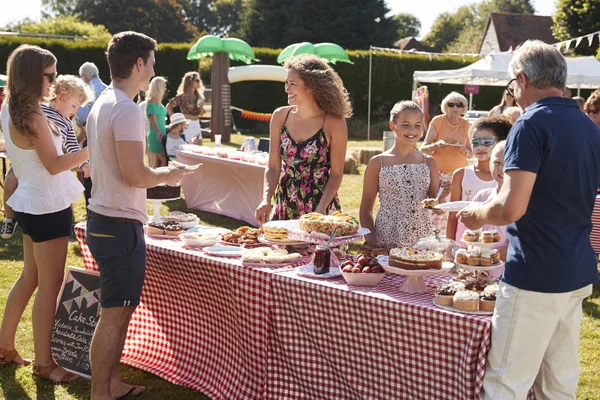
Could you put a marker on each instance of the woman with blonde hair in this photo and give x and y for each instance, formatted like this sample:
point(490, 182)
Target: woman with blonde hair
point(157, 115)
point(190, 100)
point(308, 142)
point(42, 205)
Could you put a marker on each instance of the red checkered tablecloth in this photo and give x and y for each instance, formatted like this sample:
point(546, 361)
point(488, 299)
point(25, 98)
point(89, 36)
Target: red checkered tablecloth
point(236, 332)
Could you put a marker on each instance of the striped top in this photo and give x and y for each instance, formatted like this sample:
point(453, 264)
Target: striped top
point(64, 126)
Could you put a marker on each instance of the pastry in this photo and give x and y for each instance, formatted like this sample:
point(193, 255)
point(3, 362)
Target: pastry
point(173, 229)
point(243, 235)
point(473, 258)
point(315, 222)
point(487, 299)
point(461, 256)
point(156, 228)
point(466, 300)
point(429, 203)
point(486, 237)
point(485, 259)
point(495, 255)
point(469, 236)
point(445, 293)
point(496, 235)
point(414, 259)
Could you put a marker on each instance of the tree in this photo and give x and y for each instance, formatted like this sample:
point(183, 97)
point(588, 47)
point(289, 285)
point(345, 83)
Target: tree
point(407, 25)
point(577, 18)
point(278, 23)
point(446, 28)
point(66, 25)
point(512, 6)
point(217, 17)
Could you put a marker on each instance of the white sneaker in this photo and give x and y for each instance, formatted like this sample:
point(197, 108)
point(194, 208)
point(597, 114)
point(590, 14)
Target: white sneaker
point(9, 225)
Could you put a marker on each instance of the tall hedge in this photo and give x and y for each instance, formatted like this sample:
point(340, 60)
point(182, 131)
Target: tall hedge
point(391, 78)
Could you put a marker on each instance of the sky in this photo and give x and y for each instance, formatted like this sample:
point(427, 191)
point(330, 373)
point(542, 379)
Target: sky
point(425, 10)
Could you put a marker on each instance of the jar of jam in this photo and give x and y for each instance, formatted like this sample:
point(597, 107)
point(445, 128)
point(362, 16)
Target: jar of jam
point(322, 260)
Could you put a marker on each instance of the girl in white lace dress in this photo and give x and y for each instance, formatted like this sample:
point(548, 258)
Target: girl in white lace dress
point(402, 176)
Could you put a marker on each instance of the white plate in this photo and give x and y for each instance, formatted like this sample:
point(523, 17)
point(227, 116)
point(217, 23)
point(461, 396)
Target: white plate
point(224, 251)
point(449, 308)
point(209, 230)
point(383, 261)
point(454, 206)
point(480, 267)
point(309, 271)
point(280, 242)
point(480, 244)
point(287, 224)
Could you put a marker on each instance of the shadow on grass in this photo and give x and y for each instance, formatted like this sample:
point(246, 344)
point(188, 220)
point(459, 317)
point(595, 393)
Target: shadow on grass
point(11, 388)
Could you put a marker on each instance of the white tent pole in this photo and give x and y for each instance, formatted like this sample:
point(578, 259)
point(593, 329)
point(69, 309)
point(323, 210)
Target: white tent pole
point(369, 109)
point(471, 98)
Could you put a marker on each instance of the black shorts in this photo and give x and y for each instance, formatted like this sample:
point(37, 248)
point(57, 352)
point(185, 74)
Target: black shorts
point(46, 227)
point(119, 249)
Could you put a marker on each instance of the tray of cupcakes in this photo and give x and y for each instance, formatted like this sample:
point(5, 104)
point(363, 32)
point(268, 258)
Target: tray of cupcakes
point(487, 239)
point(478, 259)
point(468, 294)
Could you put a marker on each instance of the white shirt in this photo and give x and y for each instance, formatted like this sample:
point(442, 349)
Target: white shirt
point(173, 146)
point(39, 192)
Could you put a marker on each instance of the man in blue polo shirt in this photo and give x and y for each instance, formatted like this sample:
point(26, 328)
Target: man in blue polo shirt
point(552, 173)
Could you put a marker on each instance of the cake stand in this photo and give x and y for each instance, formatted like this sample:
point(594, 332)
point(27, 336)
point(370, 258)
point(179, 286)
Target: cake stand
point(156, 205)
point(413, 281)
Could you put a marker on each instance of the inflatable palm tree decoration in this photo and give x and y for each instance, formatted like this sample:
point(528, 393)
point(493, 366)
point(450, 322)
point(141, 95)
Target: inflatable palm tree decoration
point(222, 50)
point(329, 52)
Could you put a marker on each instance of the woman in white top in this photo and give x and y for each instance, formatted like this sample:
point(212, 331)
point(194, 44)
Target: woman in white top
point(42, 205)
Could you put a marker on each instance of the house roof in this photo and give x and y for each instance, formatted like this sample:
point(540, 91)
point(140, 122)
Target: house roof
point(409, 43)
point(513, 30)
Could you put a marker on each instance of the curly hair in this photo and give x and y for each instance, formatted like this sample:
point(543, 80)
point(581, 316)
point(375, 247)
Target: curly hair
point(186, 84)
point(499, 124)
point(25, 76)
point(324, 83)
point(71, 85)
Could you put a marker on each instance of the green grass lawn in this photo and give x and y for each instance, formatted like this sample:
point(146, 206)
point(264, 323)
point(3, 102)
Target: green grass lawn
point(18, 384)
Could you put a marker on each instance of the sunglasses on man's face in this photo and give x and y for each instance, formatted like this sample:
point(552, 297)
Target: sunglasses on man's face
point(458, 105)
point(590, 111)
point(51, 77)
point(484, 141)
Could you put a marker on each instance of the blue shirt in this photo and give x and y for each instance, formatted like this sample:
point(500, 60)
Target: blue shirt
point(549, 247)
point(83, 112)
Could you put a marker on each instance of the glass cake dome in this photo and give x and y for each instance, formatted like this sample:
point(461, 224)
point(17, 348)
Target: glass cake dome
point(443, 245)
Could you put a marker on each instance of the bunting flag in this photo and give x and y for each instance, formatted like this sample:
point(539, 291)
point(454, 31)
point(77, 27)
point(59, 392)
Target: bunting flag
point(90, 301)
point(413, 51)
point(84, 291)
point(67, 304)
point(590, 39)
point(69, 278)
point(577, 40)
point(567, 45)
point(76, 285)
point(78, 300)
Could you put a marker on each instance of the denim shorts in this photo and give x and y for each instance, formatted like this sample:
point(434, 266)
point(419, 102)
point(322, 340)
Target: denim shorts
point(44, 227)
point(119, 249)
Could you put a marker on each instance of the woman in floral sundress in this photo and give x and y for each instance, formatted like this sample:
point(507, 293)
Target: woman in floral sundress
point(402, 176)
point(308, 142)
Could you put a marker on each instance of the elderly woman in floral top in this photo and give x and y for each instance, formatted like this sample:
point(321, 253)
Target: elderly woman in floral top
point(308, 143)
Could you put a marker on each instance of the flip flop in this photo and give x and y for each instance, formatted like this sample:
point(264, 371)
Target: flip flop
point(133, 391)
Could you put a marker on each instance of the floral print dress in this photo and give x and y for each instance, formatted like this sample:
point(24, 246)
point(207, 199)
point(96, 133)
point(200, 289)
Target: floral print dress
point(304, 173)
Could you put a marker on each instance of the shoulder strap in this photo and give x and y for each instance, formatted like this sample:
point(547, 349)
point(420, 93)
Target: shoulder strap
point(287, 115)
point(324, 116)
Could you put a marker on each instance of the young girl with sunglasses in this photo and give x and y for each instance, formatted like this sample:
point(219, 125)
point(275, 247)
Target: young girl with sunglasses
point(403, 177)
point(468, 181)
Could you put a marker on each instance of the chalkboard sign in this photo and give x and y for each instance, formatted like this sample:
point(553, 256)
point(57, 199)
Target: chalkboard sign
point(77, 313)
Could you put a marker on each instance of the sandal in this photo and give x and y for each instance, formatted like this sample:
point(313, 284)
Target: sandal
point(134, 391)
point(8, 356)
point(48, 371)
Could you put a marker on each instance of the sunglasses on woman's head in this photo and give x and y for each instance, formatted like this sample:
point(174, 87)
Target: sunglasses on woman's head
point(459, 105)
point(590, 111)
point(51, 76)
point(484, 141)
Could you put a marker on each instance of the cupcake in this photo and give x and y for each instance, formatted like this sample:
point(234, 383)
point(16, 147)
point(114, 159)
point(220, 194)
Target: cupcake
point(485, 258)
point(486, 237)
point(469, 236)
point(444, 295)
point(466, 300)
point(494, 255)
point(461, 256)
point(496, 235)
point(487, 299)
point(473, 258)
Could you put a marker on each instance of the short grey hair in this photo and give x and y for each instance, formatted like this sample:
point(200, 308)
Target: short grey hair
point(404, 105)
point(543, 65)
point(453, 96)
point(89, 69)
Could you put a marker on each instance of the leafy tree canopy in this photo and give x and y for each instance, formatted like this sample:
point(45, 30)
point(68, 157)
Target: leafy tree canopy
point(64, 25)
point(406, 25)
point(577, 18)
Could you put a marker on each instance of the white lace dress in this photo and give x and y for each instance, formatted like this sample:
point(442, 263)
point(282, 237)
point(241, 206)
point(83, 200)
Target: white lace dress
point(401, 219)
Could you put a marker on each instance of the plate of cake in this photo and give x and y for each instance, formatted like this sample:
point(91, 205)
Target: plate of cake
point(474, 299)
point(412, 261)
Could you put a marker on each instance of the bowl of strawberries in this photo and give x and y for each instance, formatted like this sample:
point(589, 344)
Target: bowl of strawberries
point(362, 270)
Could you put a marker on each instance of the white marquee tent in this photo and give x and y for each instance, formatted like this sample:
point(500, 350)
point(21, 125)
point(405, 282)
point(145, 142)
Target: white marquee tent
point(492, 70)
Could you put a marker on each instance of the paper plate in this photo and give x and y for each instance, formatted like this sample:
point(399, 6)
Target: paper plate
point(308, 270)
point(454, 206)
point(224, 251)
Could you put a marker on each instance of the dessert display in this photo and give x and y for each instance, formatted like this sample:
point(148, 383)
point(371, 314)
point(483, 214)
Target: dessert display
point(445, 293)
point(164, 228)
point(477, 257)
point(491, 236)
point(429, 203)
point(415, 259)
point(243, 236)
point(468, 291)
point(319, 223)
point(466, 300)
point(269, 256)
point(487, 299)
point(162, 192)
